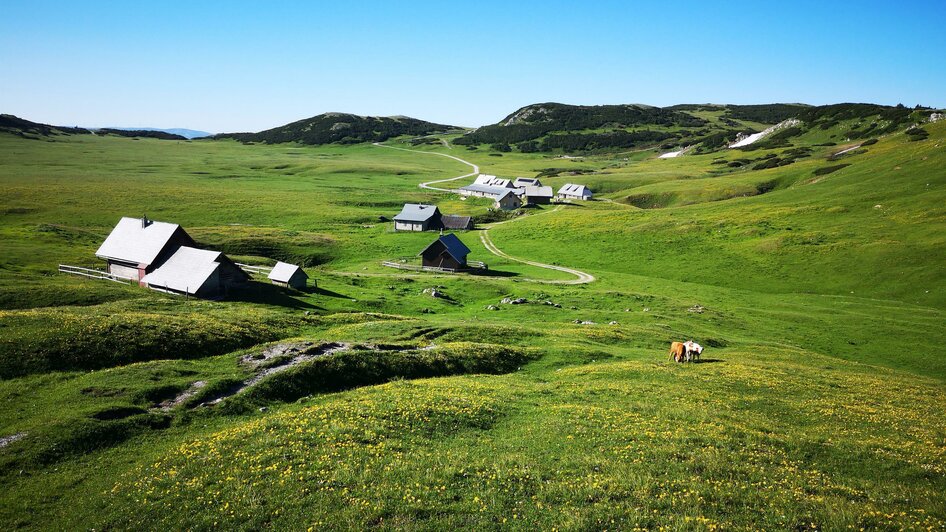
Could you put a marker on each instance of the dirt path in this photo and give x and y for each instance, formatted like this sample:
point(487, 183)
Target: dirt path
point(581, 277)
point(475, 172)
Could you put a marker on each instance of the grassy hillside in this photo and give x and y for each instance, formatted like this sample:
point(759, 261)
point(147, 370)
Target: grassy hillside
point(559, 128)
point(815, 285)
point(341, 128)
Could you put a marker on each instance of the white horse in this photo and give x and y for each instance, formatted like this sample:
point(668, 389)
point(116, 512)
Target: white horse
point(693, 350)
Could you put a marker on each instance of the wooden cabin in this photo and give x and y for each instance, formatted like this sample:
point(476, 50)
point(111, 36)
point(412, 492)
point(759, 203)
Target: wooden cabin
point(447, 252)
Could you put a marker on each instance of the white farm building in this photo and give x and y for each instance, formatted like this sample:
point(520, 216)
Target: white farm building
point(572, 191)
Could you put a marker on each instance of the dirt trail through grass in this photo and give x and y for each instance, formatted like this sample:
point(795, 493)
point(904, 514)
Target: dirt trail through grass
point(582, 277)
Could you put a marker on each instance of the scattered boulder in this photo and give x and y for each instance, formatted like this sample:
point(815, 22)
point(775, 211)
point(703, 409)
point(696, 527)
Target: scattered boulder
point(432, 292)
point(513, 301)
point(492, 307)
point(584, 322)
point(612, 322)
point(645, 309)
point(697, 309)
point(552, 304)
point(263, 409)
point(426, 311)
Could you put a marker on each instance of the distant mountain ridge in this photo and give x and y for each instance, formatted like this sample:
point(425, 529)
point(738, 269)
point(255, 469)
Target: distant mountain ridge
point(178, 131)
point(556, 127)
point(341, 128)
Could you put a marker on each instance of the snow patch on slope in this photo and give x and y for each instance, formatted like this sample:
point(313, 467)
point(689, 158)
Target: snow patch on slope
point(745, 141)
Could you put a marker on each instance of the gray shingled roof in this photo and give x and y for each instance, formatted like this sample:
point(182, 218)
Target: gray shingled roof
point(453, 246)
point(133, 241)
point(283, 271)
point(452, 221)
point(185, 271)
point(538, 192)
point(416, 212)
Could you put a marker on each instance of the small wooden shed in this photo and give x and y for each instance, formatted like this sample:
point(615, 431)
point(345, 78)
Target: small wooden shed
point(288, 275)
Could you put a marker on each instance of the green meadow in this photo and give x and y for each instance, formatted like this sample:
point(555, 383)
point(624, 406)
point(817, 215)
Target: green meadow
point(817, 289)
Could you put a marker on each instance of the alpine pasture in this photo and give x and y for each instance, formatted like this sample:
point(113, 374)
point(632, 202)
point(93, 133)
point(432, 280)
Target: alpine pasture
point(816, 287)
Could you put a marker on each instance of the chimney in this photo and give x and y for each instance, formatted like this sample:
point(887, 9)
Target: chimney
point(145, 222)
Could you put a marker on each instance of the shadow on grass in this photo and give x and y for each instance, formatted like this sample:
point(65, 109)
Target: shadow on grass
point(493, 273)
point(709, 360)
point(256, 292)
point(312, 290)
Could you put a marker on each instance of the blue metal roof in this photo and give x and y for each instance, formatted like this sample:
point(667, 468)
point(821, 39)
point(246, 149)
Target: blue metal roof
point(452, 245)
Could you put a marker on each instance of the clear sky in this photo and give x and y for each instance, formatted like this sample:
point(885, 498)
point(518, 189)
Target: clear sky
point(247, 66)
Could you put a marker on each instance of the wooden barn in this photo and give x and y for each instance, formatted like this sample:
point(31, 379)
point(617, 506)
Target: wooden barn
point(162, 256)
point(417, 217)
point(508, 201)
point(447, 252)
point(289, 275)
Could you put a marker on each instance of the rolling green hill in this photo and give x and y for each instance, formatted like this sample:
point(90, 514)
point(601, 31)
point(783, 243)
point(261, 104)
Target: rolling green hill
point(27, 129)
point(341, 128)
point(554, 127)
point(814, 282)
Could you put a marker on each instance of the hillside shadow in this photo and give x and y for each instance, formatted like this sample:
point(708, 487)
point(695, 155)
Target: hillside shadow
point(256, 292)
point(314, 290)
point(493, 273)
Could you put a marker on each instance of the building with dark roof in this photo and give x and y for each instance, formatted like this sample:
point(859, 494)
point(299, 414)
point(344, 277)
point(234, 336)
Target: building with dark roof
point(447, 252)
point(456, 223)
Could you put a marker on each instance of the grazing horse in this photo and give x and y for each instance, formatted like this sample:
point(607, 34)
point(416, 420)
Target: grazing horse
point(678, 351)
point(693, 350)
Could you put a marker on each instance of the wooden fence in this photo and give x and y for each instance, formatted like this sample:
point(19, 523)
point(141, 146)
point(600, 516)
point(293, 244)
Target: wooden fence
point(261, 270)
point(93, 274)
point(471, 265)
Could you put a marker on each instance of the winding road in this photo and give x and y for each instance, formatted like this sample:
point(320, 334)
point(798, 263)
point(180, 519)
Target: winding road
point(581, 277)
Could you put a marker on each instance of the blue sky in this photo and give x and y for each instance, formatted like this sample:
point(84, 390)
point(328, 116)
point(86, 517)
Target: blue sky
point(248, 66)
